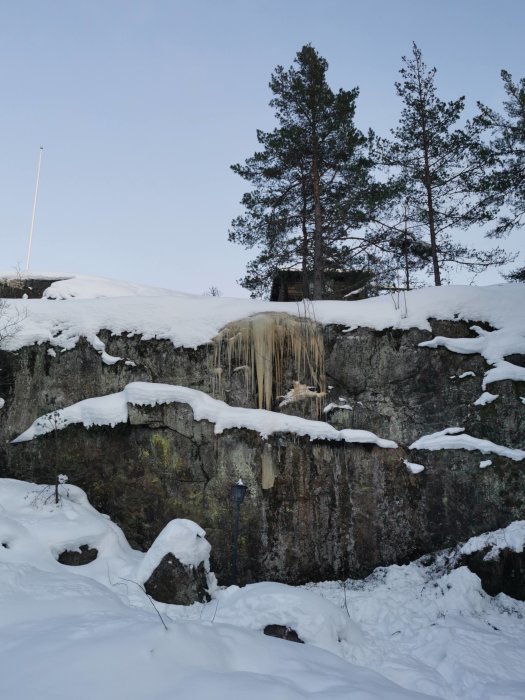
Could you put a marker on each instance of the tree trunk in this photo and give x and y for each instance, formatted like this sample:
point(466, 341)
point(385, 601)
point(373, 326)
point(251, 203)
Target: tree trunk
point(431, 223)
point(407, 267)
point(304, 224)
point(318, 263)
point(428, 186)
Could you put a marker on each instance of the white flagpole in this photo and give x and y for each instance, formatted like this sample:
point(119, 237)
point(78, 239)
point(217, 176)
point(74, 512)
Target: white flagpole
point(34, 208)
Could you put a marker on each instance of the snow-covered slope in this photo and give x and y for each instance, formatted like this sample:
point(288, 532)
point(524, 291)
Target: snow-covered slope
point(88, 632)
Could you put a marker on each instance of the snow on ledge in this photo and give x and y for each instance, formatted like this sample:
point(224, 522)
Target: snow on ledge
point(113, 409)
point(494, 346)
point(413, 468)
point(455, 439)
point(485, 398)
point(511, 537)
point(82, 306)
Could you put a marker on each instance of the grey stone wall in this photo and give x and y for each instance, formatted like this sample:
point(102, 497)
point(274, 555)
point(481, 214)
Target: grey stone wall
point(331, 509)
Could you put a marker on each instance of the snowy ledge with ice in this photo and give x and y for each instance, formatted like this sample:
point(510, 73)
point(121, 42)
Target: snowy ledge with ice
point(113, 409)
point(83, 306)
point(456, 439)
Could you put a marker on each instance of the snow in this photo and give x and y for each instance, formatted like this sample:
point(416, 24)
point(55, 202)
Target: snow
point(511, 537)
point(504, 370)
point(485, 463)
point(332, 406)
point(413, 468)
point(485, 398)
point(113, 409)
point(90, 287)
point(87, 305)
point(315, 620)
point(2, 402)
point(436, 632)
point(406, 632)
point(494, 346)
point(183, 538)
point(464, 375)
point(455, 439)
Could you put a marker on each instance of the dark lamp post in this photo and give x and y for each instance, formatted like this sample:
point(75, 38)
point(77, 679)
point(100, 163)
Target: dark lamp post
point(238, 492)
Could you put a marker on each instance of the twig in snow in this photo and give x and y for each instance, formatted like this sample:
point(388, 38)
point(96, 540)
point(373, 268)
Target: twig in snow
point(148, 597)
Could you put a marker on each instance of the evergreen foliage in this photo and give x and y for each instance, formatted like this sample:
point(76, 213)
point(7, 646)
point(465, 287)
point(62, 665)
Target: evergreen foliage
point(312, 184)
point(437, 163)
point(504, 184)
point(315, 205)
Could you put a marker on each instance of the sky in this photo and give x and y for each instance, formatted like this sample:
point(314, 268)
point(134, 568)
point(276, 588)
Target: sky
point(141, 108)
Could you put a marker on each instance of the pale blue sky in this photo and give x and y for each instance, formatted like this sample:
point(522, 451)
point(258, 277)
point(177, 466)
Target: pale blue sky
point(142, 106)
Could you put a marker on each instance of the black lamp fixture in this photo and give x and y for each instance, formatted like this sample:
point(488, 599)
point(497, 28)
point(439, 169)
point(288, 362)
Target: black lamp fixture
point(238, 492)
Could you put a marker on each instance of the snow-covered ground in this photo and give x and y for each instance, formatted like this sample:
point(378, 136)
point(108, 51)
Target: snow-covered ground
point(89, 633)
point(82, 306)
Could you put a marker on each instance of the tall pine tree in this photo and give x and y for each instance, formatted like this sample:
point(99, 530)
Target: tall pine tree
point(311, 183)
point(437, 163)
point(504, 182)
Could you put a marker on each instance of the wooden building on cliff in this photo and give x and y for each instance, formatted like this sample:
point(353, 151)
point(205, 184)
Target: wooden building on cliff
point(351, 285)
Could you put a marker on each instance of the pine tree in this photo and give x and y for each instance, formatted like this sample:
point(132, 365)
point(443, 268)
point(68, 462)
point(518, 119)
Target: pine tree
point(437, 163)
point(406, 251)
point(277, 210)
point(504, 183)
point(312, 181)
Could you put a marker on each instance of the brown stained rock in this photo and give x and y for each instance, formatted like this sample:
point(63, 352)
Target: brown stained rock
point(177, 584)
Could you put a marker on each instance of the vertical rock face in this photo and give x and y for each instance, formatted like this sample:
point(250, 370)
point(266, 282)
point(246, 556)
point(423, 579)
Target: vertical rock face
point(315, 510)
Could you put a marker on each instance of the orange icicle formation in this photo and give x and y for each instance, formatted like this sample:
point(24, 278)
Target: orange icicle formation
point(264, 345)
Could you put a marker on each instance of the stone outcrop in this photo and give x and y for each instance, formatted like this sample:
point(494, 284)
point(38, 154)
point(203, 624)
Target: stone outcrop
point(18, 286)
point(173, 582)
point(282, 632)
point(315, 510)
point(78, 557)
point(502, 573)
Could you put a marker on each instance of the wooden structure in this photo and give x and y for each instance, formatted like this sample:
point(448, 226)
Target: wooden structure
point(287, 285)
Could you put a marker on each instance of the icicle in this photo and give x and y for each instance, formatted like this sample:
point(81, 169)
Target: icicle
point(266, 344)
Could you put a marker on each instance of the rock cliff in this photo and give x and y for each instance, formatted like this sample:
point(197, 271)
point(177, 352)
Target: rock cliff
point(316, 509)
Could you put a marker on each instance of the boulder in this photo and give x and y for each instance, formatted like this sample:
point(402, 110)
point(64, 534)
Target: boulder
point(503, 572)
point(282, 632)
point(78, 557)
point(176, 583)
